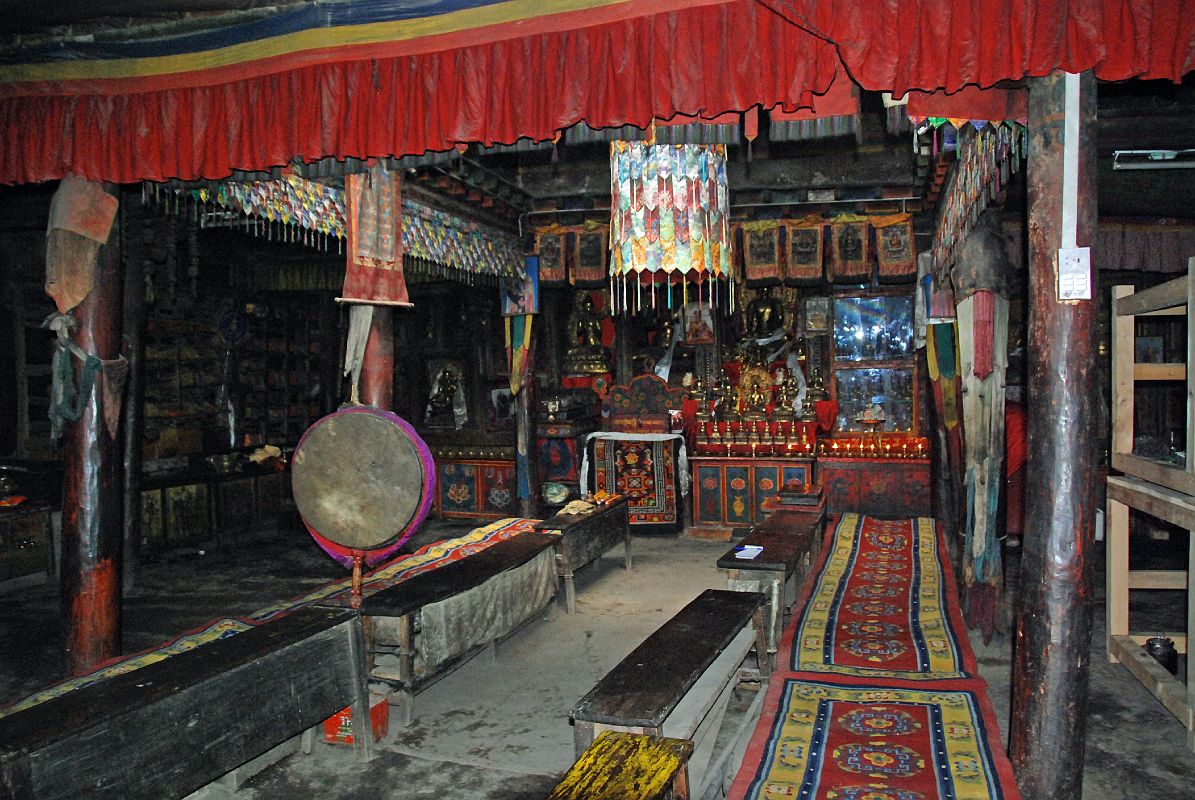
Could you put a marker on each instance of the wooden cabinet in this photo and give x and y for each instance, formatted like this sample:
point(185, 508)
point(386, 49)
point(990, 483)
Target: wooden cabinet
point(881, 487)
point(728, 493)
point(26, 543)
point(1162, 487)
point(476, 489)
point(197, 506)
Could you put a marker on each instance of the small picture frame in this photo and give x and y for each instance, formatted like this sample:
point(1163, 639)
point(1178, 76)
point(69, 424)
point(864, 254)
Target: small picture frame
point(520, 294)
point(698, 324)
point(1150, 349)
point(501, 412)
point(817, 314)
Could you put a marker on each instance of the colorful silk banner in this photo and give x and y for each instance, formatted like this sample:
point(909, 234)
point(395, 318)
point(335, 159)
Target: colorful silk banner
point(761, 252)
point(804, 251)
point(669, 214)
point(850, 260)
point(896, 256)
point(373, 273)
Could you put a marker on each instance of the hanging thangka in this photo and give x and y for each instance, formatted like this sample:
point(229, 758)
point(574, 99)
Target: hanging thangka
point(668, 223)
point(588, 269)
point(849, 262)
point(761, 252)
point(896, 257)
point(549, 245)
point(373, 213)
point(804, 250)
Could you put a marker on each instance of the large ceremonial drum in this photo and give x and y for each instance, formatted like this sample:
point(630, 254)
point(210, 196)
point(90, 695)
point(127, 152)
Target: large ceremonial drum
point(363, 481)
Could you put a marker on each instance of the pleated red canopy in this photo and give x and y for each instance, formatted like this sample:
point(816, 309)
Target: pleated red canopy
point(483, 71)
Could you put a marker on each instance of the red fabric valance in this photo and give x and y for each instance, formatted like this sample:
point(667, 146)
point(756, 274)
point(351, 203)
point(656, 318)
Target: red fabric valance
point(625, 72)
point(705, 61)
point(898, 45)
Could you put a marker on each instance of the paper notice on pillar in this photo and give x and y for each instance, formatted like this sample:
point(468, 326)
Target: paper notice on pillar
point(373, 216)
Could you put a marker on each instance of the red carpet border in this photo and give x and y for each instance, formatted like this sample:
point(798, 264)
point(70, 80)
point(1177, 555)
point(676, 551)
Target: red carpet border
point(877, 697)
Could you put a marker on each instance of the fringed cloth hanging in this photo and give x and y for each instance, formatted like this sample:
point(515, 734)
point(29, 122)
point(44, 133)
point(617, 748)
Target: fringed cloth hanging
point(373, 214)
point(896, 257)
point(804, 250)
point(669, 217)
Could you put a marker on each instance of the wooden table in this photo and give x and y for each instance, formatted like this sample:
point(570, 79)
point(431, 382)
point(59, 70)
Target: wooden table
point(790, 540)
point(582, 538)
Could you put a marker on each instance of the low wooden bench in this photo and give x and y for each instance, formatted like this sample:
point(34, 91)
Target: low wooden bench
point(489, 581)
point(628, 766)
point(583, 540)
point(790, 542)
point(169, 728)
point(677, 683)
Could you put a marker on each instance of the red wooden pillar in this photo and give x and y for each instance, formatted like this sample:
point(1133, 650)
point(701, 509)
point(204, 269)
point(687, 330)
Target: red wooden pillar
point(376, 387)
point(1053, 630)
point(92, 490)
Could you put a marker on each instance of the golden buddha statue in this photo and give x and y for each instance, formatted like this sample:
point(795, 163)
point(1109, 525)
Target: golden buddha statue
point(586, 354)
point(755, 403)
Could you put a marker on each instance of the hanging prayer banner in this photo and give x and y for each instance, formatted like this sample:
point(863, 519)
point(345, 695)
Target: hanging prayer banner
point(804, 251)
point(588, 268)
point(761, 252)
point(849, 254)
point(373, 273)
point(81, 216)
point(520, 294)
point(896, 257)
point(668, 218)
point(549, 244)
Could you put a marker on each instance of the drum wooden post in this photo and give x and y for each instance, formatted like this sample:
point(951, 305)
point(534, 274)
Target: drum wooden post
point(377, 365)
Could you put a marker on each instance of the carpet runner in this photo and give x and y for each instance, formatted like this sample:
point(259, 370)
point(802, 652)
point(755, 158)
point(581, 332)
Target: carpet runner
point(878, 696)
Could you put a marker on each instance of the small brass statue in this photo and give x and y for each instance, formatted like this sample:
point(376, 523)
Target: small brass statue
point(586, 354)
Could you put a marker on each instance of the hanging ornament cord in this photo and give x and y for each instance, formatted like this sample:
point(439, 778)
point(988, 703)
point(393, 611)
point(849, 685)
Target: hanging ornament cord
point(67, 403)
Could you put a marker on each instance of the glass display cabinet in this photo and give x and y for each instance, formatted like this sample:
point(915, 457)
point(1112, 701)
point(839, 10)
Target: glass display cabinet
point(873, 364)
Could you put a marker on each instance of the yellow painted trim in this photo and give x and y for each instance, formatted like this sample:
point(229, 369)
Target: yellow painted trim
point(312, 39)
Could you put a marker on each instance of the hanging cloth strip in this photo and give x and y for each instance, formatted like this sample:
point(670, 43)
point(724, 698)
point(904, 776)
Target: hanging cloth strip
point(81, 216)
point(373, 212)
point(67, 403)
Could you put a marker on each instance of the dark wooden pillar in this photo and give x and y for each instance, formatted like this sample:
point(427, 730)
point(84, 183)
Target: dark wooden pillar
point(377, 366)
point(1053, 632)
point(133, 424)
point(622, 348)
point(91, 502)
point(549, 317)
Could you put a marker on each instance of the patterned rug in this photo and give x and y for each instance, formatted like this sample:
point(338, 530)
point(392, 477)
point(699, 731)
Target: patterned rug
point(881, 605)
point(646, 472)
point(879, 699)
point(402, 568)
point(822, 741)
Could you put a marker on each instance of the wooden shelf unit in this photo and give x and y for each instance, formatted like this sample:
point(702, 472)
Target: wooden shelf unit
point(1160, 489)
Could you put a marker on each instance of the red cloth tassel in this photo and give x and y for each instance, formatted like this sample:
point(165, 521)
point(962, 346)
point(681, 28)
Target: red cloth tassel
point(983, 330)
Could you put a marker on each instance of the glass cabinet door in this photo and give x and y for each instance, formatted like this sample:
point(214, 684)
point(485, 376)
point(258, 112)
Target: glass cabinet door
point(873, 363)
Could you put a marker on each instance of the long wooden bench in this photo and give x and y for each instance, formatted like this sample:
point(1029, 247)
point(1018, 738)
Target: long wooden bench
point(166, 729)
point(583, 538)
point(421, 629)
point(677, 683)
point(789, 541)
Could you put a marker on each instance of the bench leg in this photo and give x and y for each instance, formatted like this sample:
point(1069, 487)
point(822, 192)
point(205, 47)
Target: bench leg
point(582, 737)
point(404, 701)
point(569, 594)
point(680, 783)
point(362, 724)
point(761, 643)
point(627, 548)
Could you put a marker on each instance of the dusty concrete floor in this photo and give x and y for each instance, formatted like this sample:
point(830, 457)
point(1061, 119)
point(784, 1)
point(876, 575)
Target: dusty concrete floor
point(499, 729)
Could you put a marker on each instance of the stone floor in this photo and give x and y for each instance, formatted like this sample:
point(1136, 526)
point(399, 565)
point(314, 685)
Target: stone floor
point(499, 729)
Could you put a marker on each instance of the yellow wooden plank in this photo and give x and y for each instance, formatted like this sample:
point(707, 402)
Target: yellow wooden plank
point(1159, 372)
point(1160, 683)
point(624, 766)
point(1158, 579)
point(1116, 557)
point(1172, 485)
point(1123, 339)
point(1164, 295)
